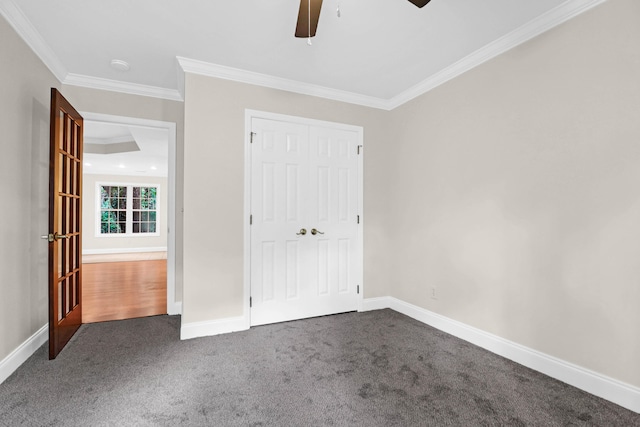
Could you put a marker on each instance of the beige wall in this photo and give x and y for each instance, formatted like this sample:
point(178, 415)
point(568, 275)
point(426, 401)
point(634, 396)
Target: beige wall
point(92, 241)
point(517, 194)
point(120, 104)
point(25, 85)
point(214, 189)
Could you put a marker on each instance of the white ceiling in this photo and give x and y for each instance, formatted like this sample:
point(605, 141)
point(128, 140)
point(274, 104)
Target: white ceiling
point(150, 160)
point(379, 49)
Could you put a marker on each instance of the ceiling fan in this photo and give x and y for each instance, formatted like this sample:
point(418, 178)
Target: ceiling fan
point(309, 14)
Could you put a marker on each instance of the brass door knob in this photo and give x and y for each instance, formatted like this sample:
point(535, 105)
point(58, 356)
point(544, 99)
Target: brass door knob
point(314, 231)
point(52, 237)
point(302, 232)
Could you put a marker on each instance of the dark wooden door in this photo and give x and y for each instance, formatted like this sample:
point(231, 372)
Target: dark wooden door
point(65, 223)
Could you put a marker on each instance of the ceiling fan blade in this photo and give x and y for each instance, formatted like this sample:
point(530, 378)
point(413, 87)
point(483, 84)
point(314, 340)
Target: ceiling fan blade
point(304, 18)
point(420, 3)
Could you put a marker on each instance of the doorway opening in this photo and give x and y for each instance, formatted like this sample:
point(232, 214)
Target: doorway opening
point(129, 218)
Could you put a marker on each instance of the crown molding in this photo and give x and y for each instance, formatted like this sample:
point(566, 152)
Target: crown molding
point(19, 22)
point(533, 28)
point(235, 74)
point(32, 38)
point(123, 87)
point(526, 32)
point(109, 141)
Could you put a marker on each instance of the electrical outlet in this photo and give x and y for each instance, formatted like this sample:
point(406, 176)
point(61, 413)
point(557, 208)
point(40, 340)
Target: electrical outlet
point(434, 293)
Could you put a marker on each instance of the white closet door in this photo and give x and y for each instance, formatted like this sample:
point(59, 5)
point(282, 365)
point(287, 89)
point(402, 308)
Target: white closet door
point(333, 209)
point(302, 178)
point(279, 179)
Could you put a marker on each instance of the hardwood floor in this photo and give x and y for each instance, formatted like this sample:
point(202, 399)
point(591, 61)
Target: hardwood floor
point(123, 289)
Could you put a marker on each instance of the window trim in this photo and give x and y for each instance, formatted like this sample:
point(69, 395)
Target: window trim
point(129, 211)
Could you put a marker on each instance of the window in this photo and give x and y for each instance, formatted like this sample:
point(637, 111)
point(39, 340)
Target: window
point(144, 209)
point(113, 209)
point(128, 210)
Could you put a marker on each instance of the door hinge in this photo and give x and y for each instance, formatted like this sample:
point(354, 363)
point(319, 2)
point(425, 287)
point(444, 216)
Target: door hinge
point(250, 302)
point(359, 148)
point(250, 219)
point(252, 134)
point(358, 289)
point(358, 219)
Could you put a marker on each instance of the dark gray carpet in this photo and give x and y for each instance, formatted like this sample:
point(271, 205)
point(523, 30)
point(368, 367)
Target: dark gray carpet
point(356, 369)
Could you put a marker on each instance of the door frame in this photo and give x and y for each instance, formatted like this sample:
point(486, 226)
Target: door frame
point(173, 306)
point(256, 114)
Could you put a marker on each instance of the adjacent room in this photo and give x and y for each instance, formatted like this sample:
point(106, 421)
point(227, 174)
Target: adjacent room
point(124, 245)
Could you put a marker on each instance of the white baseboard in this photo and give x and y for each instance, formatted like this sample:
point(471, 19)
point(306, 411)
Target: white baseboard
point(370, 304)
point(18, 356)
point(213, 327)
point(123, 250)
point(174, 308)
point(620, 393)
